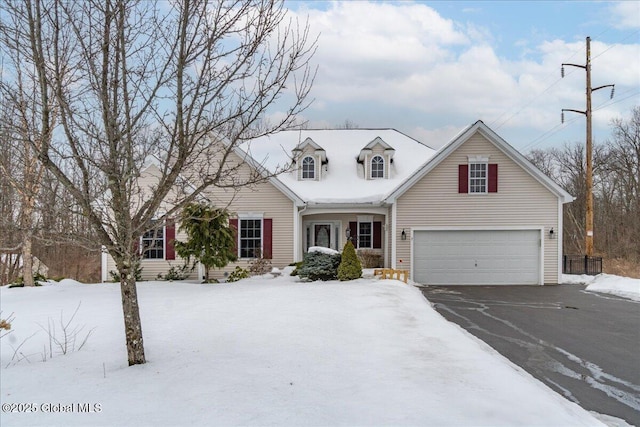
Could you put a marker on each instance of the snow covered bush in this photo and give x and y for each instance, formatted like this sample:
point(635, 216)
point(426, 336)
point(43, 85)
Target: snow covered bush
point(350, 267)
point(320, 264)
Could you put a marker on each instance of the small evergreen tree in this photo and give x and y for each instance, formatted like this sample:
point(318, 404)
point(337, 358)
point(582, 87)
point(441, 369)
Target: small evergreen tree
point(210, 239)
point(350, 267)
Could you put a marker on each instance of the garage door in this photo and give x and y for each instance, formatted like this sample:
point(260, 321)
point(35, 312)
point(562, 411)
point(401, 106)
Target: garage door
point(477, 257)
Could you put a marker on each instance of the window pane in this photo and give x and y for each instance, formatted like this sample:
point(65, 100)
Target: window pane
point(308, 168)
point(153, 243)
point(377, 167)
point(250, 238)
point(364, 234)
point(478, 178)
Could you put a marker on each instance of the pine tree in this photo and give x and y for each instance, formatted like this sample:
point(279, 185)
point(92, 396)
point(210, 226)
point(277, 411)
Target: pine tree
point(210, 239)
point(350, 267)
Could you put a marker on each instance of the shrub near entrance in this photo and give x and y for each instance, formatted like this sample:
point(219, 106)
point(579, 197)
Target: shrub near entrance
point(320, 264)
point(350, 267)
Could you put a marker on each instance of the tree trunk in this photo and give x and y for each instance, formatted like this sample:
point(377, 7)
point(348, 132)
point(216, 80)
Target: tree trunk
point(27, 259)
point(131, 311)
point(206, 274)
point(28, 207)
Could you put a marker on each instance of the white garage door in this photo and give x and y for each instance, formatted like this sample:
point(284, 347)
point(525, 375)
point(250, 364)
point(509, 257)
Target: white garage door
point(477, 257)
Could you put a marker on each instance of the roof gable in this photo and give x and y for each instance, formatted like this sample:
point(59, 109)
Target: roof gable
point(498, 142)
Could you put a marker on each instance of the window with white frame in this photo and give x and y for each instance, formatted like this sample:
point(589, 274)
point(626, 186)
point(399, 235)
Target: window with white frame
point(308, 168)
point(152, 242)
point(365, 234)
point(250, 238)
point(477, 177)
point(377, 167)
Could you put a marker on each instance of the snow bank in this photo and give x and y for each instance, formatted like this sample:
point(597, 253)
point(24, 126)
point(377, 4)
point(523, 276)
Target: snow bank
point(607, 283)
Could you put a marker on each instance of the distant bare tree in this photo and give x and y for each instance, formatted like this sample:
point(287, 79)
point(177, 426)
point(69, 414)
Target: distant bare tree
point(348, 124)
point(616, 176)
point(26, 127)
point(181, 84)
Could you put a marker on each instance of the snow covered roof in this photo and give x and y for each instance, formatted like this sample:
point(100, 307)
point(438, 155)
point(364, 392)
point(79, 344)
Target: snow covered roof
point(344, 181)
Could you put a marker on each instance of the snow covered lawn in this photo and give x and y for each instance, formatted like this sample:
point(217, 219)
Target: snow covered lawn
point(264, 352)
point(607, 283)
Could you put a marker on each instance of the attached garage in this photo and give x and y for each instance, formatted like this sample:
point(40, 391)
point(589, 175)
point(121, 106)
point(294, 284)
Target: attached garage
point(477, 257)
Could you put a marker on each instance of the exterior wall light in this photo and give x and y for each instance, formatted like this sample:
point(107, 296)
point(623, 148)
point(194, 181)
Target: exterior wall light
point(552, 234)
point(403, 235)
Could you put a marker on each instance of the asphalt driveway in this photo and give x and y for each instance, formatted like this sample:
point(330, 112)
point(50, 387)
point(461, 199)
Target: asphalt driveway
point(585, 346)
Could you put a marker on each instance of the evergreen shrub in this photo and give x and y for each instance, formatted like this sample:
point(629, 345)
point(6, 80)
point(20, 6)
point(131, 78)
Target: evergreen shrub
point(320, 266)
point(350, 267)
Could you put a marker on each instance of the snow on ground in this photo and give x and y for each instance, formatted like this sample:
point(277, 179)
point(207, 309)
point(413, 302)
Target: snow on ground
point(607, 283)
point(262, 352)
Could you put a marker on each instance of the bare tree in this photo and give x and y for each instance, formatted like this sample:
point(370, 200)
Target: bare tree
point(616, 177)
point(26, 127)
point(182, 84)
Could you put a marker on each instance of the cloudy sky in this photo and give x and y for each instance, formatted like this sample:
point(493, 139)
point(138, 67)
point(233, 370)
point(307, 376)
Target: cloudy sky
point(429, 69)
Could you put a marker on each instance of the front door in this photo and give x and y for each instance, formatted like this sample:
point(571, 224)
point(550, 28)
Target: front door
point(322, 235)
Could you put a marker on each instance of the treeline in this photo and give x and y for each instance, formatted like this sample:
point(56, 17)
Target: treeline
point(616, 190)
point(36, 208)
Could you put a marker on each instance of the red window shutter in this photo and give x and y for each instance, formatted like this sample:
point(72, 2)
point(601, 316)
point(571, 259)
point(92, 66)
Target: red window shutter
point(233, 223)
point(353, 226)
point(267, 238)
point(377, 235)
point(169, 237)
point(493, 178)
point(463, 178)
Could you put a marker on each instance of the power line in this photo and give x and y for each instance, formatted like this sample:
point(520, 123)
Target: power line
point(494, 124)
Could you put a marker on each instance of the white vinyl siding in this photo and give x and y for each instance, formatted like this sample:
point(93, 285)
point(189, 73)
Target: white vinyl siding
point(270, 202)
point(522, 201)
point(263, 197)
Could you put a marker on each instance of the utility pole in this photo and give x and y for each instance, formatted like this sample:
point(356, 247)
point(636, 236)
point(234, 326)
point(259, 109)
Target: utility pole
point(589, 146)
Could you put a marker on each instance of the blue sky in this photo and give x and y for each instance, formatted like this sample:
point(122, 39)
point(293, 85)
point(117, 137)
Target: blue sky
point(429, 69)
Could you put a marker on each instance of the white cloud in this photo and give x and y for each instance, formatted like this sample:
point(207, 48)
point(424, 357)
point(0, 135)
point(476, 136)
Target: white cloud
point(626, 15)
point(403, 65)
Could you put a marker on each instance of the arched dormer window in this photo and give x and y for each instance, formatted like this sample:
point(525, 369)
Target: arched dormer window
point(308, 168)
point(377, 167)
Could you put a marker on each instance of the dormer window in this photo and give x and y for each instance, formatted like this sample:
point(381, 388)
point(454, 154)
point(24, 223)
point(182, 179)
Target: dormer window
point(308, 168)
point(376, 158)
point(377, 167)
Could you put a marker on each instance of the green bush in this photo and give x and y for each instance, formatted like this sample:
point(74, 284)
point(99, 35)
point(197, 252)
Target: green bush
point(238, 274)
point(176, 273)
point(350, 267)
point(320, 266)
